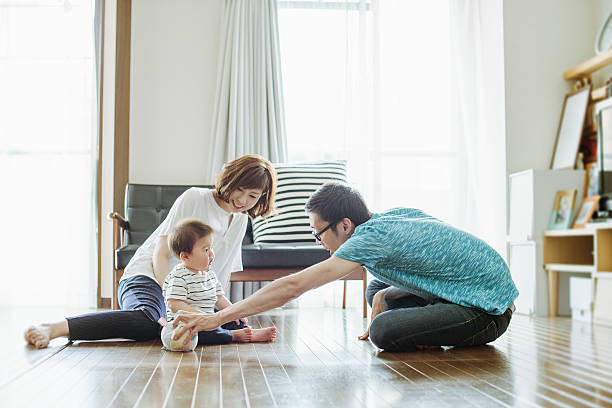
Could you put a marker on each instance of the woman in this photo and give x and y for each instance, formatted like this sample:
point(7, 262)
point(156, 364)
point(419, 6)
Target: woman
point(245, 187)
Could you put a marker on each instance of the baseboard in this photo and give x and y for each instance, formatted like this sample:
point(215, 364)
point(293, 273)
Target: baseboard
point(104, 303)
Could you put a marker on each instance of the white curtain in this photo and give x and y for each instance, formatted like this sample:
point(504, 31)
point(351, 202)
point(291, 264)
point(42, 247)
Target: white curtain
point(48, 153)
point(478, 116)
point(415, 102)
point(249, 114)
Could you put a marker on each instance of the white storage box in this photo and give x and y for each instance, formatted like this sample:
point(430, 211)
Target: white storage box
point(581, 298)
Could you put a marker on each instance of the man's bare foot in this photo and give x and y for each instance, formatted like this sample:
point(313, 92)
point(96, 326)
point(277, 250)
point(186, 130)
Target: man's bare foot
point(242, 335)
point(264, 335)
point(38, 336)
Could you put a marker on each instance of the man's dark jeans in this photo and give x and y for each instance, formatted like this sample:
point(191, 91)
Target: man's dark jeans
point(412, 321)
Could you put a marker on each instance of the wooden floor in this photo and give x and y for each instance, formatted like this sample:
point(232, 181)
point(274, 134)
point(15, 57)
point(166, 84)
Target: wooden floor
point(316, 361)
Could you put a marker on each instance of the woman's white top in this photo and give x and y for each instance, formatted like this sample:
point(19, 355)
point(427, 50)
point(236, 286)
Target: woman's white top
point(200, 204)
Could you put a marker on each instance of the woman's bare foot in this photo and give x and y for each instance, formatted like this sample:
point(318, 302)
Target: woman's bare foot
point(242, 335)
point(263, 335)
point(40, 336)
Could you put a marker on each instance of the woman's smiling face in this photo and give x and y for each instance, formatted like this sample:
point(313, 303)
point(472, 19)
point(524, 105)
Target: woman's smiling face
point(243, 199)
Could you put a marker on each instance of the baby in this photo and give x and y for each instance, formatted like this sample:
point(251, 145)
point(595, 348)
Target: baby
point(192, 287)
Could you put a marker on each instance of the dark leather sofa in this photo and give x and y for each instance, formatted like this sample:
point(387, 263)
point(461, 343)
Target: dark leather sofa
point(146, 206)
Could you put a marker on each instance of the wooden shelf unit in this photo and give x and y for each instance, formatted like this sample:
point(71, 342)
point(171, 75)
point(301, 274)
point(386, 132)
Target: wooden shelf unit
point(568, 232)
point(599, 93)
point(581, 75)
point(586, 68)
point(587, 250)
point(570, 268)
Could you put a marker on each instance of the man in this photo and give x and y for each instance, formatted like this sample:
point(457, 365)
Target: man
point(439, 286)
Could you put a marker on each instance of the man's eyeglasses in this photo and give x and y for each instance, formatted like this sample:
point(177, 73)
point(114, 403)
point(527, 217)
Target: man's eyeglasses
point(317, 235)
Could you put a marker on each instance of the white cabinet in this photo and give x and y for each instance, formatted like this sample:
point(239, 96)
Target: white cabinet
point(522, 259)
point(532, 193)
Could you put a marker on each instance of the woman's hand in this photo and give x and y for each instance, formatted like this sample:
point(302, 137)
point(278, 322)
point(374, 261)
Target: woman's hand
point(378, 306)
point(194, 322)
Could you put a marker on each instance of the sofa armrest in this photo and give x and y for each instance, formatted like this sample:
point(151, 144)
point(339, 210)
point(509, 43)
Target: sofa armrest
point(119, 225)
point(116, 217)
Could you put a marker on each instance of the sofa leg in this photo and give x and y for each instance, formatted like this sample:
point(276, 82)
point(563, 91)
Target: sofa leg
point(344, 296)
point(115, 303)
point(365, 284)
point(117, 274)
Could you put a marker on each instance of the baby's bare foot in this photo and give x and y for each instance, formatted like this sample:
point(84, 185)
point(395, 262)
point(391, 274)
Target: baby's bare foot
point(262, 335)
point(38, 336)
point(242, 335)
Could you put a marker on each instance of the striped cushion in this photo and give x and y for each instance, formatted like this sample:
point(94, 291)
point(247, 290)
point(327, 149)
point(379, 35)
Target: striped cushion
point(296, 183)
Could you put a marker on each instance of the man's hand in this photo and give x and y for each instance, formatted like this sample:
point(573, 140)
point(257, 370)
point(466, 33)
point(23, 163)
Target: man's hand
point(378, 306)
point(223, 302)
point(275, 294)
point(193, 323)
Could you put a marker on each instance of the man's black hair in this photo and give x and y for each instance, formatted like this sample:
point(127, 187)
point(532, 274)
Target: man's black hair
point(335, 201)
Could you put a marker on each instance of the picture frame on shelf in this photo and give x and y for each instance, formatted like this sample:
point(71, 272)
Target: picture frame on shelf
point(591, 180)
point(569, 133)
point(588, 207)
point(563, 209)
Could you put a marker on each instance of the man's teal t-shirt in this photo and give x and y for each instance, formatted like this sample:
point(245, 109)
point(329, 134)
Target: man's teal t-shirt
point(409, 249)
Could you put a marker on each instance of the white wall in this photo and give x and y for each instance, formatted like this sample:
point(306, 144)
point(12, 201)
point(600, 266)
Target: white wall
point(542, 39)
point(601, 11)
point(173, 82)
point(173, 75)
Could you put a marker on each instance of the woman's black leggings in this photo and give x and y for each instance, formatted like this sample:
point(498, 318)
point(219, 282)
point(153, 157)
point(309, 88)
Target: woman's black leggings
point(142, 305)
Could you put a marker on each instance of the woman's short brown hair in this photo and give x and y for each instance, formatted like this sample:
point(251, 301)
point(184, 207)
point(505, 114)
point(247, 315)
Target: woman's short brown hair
point(183, 237)
point(249, 172)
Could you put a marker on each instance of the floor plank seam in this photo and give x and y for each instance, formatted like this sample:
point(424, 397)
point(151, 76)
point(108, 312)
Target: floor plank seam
point(197, 379)
point(128, 377)
point(36, 364)
point(169, 393)
point(244, 387)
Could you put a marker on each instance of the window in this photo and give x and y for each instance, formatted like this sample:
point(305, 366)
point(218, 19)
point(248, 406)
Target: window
point(47, 152)
point(370, 82)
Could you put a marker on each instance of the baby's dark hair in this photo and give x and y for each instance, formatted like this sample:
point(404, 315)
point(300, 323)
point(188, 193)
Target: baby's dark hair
point(184, 236)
